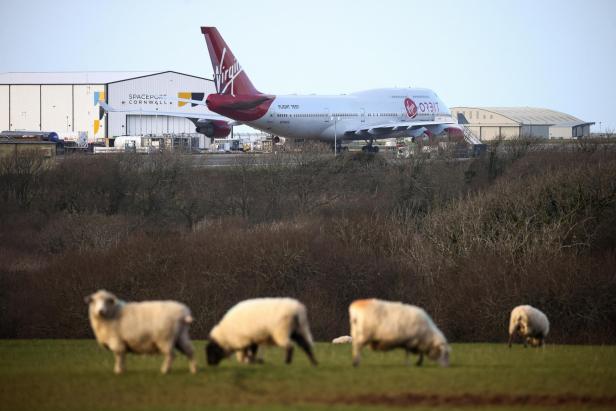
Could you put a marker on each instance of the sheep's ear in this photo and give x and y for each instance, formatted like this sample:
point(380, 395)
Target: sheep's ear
point(87, 299)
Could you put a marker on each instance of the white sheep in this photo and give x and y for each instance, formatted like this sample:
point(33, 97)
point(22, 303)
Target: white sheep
point(344, 339)
point(148, 327)
point(387, 325)
point(529, 323)
point(250, 323)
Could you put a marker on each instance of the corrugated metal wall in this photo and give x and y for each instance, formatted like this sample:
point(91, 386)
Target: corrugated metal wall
point(86, 110)
point(4, 108)
point(73, 108)
point(535, 131)
point(489, 133)
point(52, 107)
point(25, 111)
point(152, 93)
point(57, 108)
point(158, 125)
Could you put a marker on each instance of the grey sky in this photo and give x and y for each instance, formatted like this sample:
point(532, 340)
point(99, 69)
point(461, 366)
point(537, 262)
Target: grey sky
point(554, 54)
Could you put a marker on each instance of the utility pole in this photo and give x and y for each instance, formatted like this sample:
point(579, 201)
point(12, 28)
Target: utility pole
point(335, 118)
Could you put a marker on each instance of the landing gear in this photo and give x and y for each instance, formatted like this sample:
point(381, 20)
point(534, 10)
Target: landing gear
point(370, 148)
point(338, 148)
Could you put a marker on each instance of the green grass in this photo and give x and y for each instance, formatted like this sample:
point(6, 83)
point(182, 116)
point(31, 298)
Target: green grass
point(77, 375)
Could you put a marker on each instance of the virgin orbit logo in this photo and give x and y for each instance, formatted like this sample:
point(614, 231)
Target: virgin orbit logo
point(411, 107)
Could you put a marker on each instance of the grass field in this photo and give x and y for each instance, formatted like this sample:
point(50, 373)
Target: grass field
point(77, 375)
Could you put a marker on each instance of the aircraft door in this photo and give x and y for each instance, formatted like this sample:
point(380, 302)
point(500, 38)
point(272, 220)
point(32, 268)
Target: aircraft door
point(327, 115)
point(362, 114)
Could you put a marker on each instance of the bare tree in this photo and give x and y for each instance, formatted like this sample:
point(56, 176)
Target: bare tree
point(20, 176)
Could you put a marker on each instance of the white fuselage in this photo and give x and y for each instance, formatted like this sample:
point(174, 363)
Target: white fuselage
point(329, 117)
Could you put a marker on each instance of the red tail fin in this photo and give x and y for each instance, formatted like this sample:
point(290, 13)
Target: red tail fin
point(229, 76)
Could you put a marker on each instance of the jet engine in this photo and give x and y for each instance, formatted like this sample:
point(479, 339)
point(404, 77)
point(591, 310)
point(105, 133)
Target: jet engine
point(214, 129)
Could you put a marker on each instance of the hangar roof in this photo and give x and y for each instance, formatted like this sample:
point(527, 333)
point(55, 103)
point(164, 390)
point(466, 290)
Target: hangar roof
point(575, 123)
point(529, 115)
point(74, 77)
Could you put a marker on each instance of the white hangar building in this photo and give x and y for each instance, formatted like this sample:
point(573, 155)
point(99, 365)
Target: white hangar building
point(488, 123)
point(67, 102)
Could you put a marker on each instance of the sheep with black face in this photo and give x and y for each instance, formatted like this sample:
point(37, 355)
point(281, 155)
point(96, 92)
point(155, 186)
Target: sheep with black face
point(148, 327)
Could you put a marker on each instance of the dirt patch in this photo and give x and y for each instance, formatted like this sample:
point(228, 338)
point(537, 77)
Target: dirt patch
point(473, 400)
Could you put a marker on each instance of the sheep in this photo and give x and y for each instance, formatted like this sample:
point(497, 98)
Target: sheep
point(344, 339)
point(250, 323)
point(386, 325)
point(529, 323)
point(147, 327)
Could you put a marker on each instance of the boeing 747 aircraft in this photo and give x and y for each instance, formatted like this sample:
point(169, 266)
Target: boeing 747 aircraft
point(365, 115)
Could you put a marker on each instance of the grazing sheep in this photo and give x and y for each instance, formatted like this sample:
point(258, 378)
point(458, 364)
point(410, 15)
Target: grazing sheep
point(345, 339)
point(387, 325)
point(248, 324)
point(148, 327)
point(530, 324)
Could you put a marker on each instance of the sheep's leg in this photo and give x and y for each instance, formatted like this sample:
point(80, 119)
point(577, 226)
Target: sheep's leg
point(510, 339)
point(252, 351)
point(356, 352)
point(243, 356)
point(289, 357)
point(119, 362)
point(420, 360)
point(167, 361)
point(184, 345)
point(304, 345)
point(525, 342)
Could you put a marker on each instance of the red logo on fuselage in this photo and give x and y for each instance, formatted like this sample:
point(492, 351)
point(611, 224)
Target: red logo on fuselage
point(411, 107)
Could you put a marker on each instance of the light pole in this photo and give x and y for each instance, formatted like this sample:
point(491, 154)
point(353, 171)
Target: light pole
point(335, 118)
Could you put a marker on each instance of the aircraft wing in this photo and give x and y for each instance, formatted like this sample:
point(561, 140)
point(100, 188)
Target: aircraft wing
point(197, 116)
point(396, 129)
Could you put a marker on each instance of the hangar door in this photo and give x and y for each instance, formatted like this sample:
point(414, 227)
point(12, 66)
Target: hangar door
point(157, 125)
point(489, 133)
